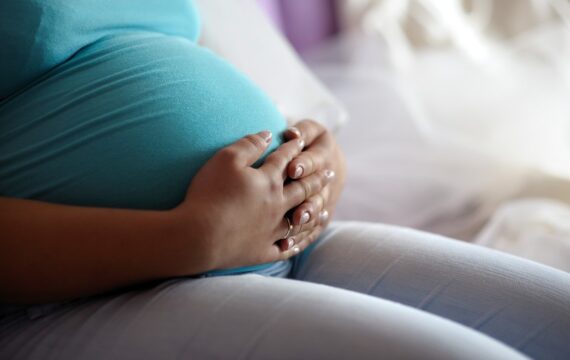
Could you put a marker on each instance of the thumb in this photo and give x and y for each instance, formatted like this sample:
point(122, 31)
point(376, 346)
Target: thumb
point(247, 150)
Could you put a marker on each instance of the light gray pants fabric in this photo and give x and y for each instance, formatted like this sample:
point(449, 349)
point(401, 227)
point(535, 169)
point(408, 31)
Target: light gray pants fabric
point(367, 291)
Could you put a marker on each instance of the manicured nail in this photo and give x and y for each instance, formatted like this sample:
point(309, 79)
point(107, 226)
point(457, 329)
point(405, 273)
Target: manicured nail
point(296, 249)
point(301, 143)
point(323, 216)
point(266, 135)
point(291, 242)
point(299, 171)
point(305, 217)
point(295, 131)
point(329, 174)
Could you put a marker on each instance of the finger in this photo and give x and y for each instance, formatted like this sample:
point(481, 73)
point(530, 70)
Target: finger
point(276, 251)
point(300, 229)
point(309, 239)
point(275, 165)
point(311, 208)
point(298, 191)
point(307, 163)
point(289, 242)
point(273, 253)
point(308, 130)
point(302, 244)
point(285, 229)
point(247, 150)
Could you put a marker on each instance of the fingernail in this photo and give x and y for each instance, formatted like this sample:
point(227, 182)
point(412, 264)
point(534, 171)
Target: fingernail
point(301, 143)
point(298, 171)
point(296, 249)
point(305, 217)
point(295, 131)
point(266, 135)
point(291, 242)
point(329, 174)
point(323, 216)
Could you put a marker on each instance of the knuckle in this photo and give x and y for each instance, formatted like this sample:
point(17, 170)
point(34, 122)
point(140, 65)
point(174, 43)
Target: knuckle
point(306, 186)
point(228, 154)
point(323, 177)
point(315, 125)
point(309, 162)
point(275, 184)
point(287, 152)
point(279, 161)
point(255, 140)
point(317, 203)
point(312, 123)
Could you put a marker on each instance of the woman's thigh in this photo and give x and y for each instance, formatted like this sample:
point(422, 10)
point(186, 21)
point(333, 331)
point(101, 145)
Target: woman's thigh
point(242, 317)
point(521, 303)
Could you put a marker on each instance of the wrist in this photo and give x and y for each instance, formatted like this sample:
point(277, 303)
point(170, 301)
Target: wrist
point(192, 241)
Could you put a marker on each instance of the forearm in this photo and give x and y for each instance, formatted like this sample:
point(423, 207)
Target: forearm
point(52, 252)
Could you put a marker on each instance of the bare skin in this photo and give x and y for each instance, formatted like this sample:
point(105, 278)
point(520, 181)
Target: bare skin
point(322, 152)
point(51, 252)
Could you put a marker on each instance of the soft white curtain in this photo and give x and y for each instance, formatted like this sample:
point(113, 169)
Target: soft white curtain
point(486, 77)
point(491, 75)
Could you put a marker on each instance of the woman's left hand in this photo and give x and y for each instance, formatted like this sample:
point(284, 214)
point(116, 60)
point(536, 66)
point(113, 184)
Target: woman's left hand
point(321, 152)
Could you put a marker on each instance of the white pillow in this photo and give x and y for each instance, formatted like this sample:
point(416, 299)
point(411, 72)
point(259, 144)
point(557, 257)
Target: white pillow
point(239, 31)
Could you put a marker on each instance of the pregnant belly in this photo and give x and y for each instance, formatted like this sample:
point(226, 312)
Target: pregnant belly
point(127, 122)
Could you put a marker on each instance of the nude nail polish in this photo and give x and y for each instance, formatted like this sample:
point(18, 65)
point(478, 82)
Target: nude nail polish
point(291, 242)
point(266, 135)
point(298, 171)
point(295, 131)
point(305, 217)
point(329, 174)
point(301, 143)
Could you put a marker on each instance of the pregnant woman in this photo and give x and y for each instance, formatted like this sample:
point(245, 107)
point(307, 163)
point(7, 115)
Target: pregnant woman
point(153, 205)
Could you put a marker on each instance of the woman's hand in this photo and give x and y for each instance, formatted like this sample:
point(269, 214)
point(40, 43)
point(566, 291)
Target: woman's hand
point(322, 153)
point(238, 211)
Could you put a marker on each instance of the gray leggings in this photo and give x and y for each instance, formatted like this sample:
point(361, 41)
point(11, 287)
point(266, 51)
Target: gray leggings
point(366, 291)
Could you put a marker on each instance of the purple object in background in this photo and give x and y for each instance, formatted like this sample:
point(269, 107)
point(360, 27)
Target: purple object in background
point(273, 10)
point(305, 22)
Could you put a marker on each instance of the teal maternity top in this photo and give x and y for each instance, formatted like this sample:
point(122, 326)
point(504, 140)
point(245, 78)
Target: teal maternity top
point(112, 103)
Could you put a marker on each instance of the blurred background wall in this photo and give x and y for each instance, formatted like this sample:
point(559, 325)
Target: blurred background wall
point(308, 23)
point(305, 23)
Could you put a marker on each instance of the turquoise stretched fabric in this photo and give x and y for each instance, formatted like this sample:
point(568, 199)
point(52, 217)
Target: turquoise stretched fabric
point(40, 34)
point(117, 106)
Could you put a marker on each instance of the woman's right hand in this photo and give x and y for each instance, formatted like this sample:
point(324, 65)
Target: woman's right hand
point(235, 213)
